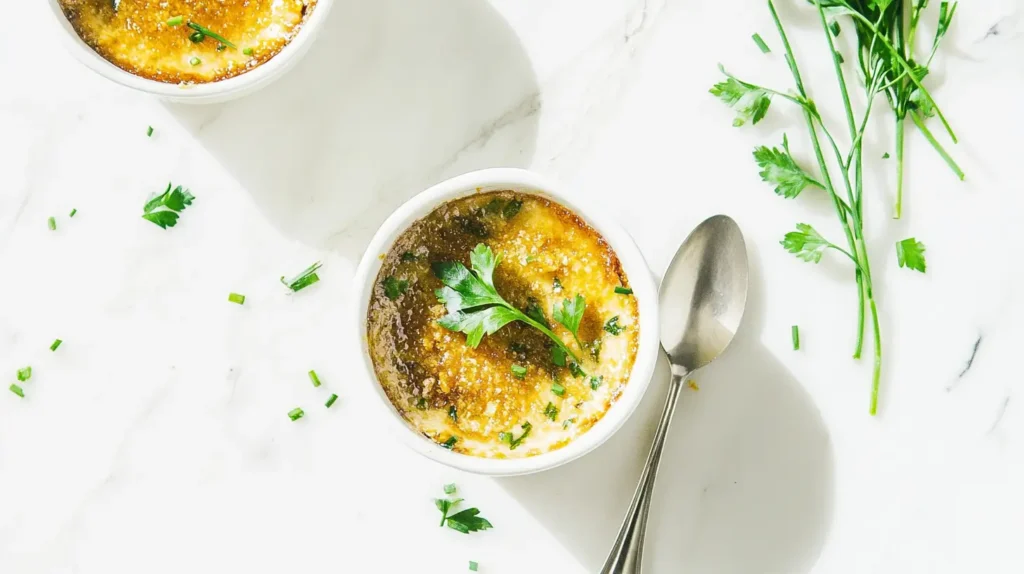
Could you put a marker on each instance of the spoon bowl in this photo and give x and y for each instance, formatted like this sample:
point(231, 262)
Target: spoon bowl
point(702, 299)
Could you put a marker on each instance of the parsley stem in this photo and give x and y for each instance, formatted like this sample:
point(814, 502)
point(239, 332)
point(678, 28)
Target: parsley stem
point(935, 144)
point(551, 335)
point(898, 210)
point(877, 370)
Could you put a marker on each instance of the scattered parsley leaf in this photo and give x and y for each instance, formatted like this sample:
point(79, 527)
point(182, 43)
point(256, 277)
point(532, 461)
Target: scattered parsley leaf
point(569, 314)
point(511, 209)
point(149, 131)
point(558, 356)
point(165, 208)
point(613, 327)
point(73, 212)
point(910, 254)
point(885, 155)
point(534, 312)
point(449, 489)
point(468, 521)
point(780, 169)
point(595, 382)
point(473, 566)
point(749, 102)
point(24, 374)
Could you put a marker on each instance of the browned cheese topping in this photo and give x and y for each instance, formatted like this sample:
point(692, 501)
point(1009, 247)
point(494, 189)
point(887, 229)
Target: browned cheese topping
point(481, 396)
point(138, 39)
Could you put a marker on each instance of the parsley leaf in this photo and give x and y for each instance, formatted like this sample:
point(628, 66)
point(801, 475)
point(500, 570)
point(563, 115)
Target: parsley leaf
point(779, 168)
point(164, 209)
point(569, 314)
point(304, 279)
point(468, 520)
point(910, 254)
point(751, 103)
point(558, 356)
point(394, 288)
point(806, 243)
point(534, 312)
point(473, 303)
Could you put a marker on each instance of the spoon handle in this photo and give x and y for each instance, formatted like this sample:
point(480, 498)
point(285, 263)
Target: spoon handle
point(626, 556)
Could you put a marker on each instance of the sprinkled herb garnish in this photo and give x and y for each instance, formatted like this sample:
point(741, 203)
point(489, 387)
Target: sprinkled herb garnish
point(910, 254)
point(465, 521)
point(52, 224)
point(519, 371)
point(623, 290)
point(512, 441)
point(568, 423)
point(449, 489)
point(556, 285)
point(511, 209)
point(450, 443)
point(314, 378)
point(558, 356)
point(613, 327)
point(408, 256)
point(203, 32)
point(453, 413)
point(247, 51)
point(304, 279)
point(558, 388)
point(473, 566)
point(236, 298)
point(595, 382)
point(760, 44)
point(421, 403)
point(56, 343)
point(394, 288)
point(149, 131)
point(296, 414)
point(165, 208)
point(330, 401)
point(796, 337)
point(175, 21)
point(551, 411)
point(73, 212)
point(195, 61)
point(534, 312)
point(17, 390)
point(576, 370)
point(24, 374)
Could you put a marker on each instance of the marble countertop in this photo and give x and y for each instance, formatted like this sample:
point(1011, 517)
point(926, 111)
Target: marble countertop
point(155, 439)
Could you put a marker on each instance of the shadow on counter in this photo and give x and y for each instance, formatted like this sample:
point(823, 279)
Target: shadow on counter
point(746, 481)
point(394, 96)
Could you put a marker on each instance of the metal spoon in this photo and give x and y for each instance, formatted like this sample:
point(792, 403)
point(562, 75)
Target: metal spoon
point(702, 299)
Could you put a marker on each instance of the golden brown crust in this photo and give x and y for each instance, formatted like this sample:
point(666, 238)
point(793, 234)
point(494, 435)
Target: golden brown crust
point(427, 371)
point(137, 38)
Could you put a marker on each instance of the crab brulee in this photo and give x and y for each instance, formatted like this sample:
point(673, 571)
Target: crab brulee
point(187, 41)
point(501, 325)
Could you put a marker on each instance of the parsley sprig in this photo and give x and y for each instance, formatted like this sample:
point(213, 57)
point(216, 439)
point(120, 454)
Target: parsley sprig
point(465, 521)
point(910, 254)
point(476, 309)
point(164, 209)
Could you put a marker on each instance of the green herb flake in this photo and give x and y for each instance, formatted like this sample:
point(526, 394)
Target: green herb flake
point(556, 285)
point(551, 411)
point(52, 224)
point(164, 209)
point(304, 279)
point(558, 388)
point(247, 51)
point(330, 401)
point(408, 256)
point(395, 288)
point(175, 21)
point(453, 413)
point(296, 414)
point(313, 378)
point(204, 31)
point(24, 374)
point(511, 209)
point(421, 403)
point(558, 356)
point(595, 382)
point(623, 290)
point(149, 131)
point(513, 441)
point(796, 337)
point(195, 61)
point(56, 343)
point(569, 314)
point(449, 489)
point(519, 371)
point(760, 44)
point(17, 390)
point(576, 370)
point(885, 155)
point(236, 298)
point(450, 443)
point(473, 566)
point(612, 326)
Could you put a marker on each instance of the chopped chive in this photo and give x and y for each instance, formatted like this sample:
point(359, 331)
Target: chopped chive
point(885, 155)
point(796, 337)
point(450, 443)
point(304, 279)
point(473, 566)
point(449, 488)
point(204, 32)
point(331, 400)
point(236, 298)
point(613, 327)
point(195, 61)
point(73, 212)
point(17, 390)
point(595, 382)
point(176, 21)
point(296, 414)
point(221, 47)
point(453, 413)
point(149, 131)
point(558, 389)
point(24, 374)
point(760, 44)
point(52, 224)
point(551, 411)
point(519, 371)
point(56, 343)
point(314, 378)
point(247, 51)
point(623, 290)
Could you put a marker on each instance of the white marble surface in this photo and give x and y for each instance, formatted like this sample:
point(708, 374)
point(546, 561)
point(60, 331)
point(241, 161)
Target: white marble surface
point(155, 440)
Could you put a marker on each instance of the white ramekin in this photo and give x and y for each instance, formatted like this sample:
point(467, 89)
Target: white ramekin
point(209, 93)
point(640, 280)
